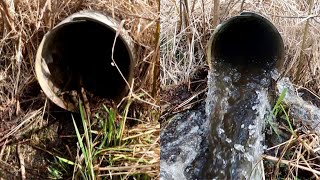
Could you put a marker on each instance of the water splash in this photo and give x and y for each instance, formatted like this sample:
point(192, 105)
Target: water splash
point(183, 145)
point(237, 106)
point(301, 110)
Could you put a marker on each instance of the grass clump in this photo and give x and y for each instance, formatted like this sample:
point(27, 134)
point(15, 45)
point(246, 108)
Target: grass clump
point(294, 156)
point(59, 167)
point(87, 147)
point(279, 112)
point(104, 146)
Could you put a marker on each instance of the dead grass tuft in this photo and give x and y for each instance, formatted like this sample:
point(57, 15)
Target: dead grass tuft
point(298, 157)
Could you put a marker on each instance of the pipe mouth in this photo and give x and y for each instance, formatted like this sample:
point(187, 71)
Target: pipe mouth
point(247, 40)
point(78, 53)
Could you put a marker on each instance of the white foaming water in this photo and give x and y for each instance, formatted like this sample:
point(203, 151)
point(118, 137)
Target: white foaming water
point(255, 151)
point(237, 106)
point(176, 168)
point(239, 147)
point(237, 128)
point(228, 140)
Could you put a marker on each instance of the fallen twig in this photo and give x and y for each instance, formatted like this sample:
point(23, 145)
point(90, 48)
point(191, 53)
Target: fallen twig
point(288, 163)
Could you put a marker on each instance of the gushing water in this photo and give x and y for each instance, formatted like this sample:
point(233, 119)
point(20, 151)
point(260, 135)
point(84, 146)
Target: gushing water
point(237, 107)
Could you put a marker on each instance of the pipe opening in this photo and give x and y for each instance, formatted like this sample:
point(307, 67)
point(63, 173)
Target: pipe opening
point(248, 40)
point(79, 54)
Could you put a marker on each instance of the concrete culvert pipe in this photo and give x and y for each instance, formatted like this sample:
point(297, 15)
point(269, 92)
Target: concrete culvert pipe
point(248, 39)
point(78, 52)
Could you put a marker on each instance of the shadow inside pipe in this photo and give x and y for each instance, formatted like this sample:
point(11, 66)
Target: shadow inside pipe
point(248, 40)
point(80, 54)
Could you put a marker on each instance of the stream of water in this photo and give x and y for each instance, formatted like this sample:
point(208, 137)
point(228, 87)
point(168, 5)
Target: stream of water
point(224, 138)
point(237, 107)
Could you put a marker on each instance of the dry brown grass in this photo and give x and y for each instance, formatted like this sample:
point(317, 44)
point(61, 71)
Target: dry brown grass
point(296, 158)
point(24, 110)
point(186, 27)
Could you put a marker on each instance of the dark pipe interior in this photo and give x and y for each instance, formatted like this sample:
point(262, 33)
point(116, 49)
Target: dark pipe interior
point(247, 40)
point(81, 54)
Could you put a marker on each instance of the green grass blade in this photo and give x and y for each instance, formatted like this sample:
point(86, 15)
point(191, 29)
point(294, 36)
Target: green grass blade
point(65, 161)
point(105, 138)
point(87, 134)
point(54, 173)
point(276, 109)
point(111, 125)
point(288, 121)
point(272, 127)
point(280, 99)
point(83, 150)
